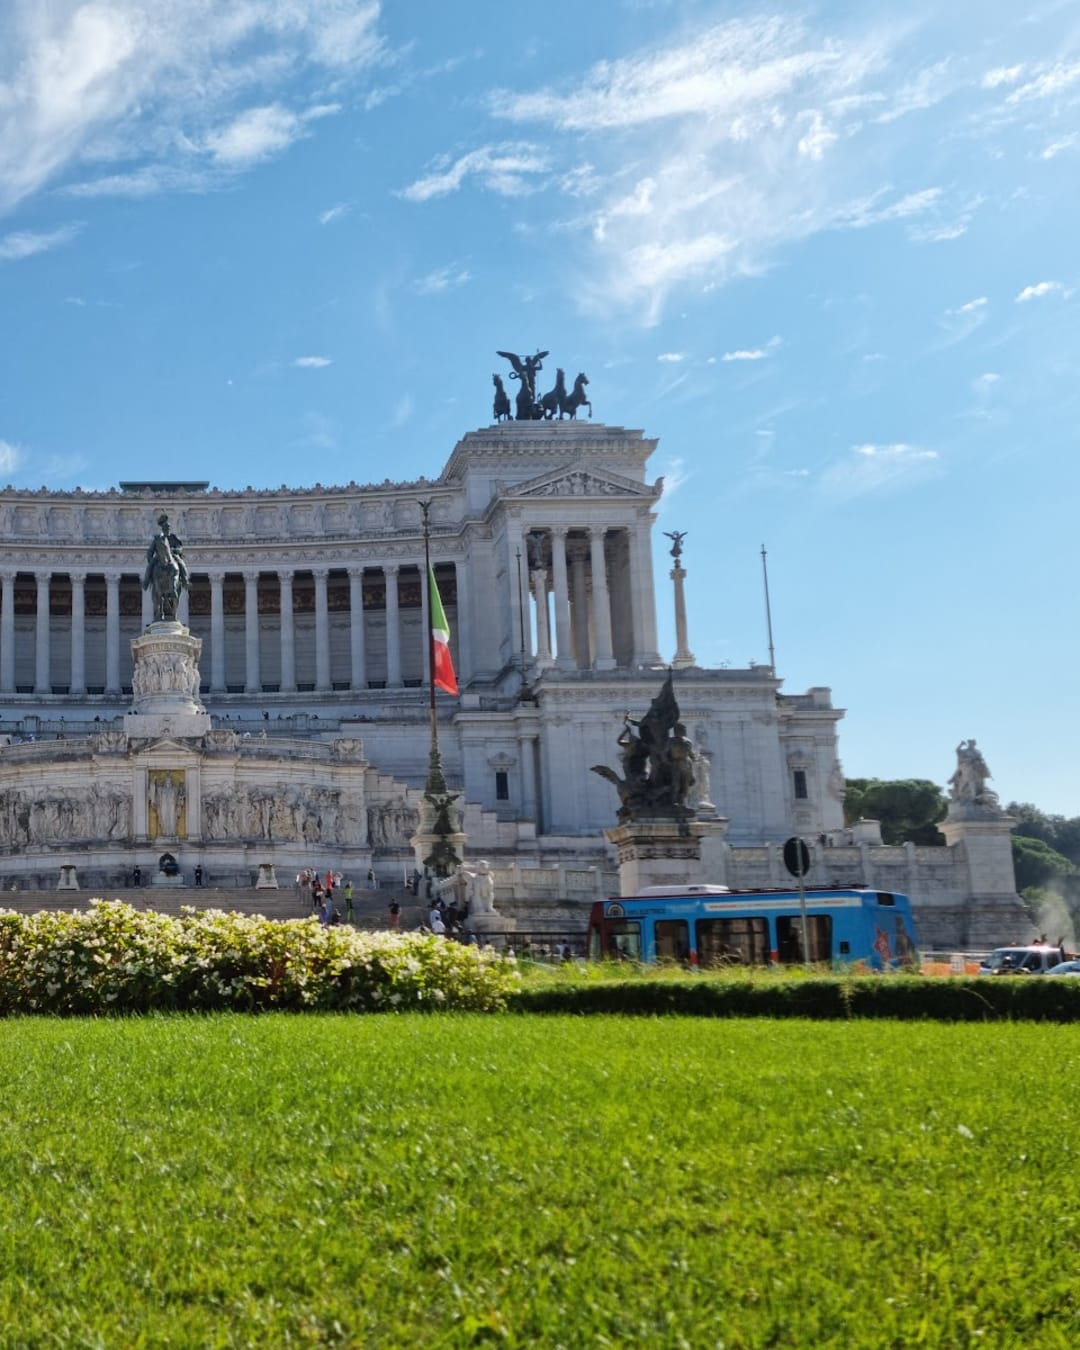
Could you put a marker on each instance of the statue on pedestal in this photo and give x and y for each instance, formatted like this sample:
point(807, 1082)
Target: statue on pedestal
point(967, 786)
point(657, 760)
point(166, 574)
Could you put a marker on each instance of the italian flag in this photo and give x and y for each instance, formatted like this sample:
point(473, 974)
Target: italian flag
point(442, 673)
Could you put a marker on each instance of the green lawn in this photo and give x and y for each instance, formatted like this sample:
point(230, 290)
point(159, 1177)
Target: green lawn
point(464, 1180)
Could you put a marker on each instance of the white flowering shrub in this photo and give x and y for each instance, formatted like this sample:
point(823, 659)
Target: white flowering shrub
point(113, 958)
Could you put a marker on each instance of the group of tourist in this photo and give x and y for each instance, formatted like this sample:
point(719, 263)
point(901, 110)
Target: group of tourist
point(317, 891)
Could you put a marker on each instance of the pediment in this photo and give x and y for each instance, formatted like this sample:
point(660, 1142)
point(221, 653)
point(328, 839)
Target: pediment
point(577, 480)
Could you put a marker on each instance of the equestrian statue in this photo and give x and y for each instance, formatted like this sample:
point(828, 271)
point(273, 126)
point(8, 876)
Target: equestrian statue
point(166, 574)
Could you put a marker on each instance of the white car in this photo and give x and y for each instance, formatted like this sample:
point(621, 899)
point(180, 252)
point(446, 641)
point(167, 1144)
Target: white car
point(1066, 968)
point(1036, 959)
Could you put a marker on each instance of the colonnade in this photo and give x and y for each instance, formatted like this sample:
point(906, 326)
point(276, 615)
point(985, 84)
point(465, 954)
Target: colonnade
point(593, 585)
point(214, 672)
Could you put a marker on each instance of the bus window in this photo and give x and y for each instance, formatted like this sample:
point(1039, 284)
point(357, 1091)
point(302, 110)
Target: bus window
point(725, 942)
point(789, 938)
point(623, 940)
point(672, 939)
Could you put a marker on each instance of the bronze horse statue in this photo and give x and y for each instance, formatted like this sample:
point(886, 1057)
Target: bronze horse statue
point(552, 400)
point(166, 572)
point(571, 402)
point(502, 400)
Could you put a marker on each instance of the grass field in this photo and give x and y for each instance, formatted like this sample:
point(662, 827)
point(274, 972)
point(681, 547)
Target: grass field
point(460, 1180)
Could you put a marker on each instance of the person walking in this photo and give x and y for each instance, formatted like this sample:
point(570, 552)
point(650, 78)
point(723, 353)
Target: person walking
point(395, 914)
point(348, 901)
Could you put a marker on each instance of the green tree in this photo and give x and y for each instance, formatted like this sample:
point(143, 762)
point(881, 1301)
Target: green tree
point(909, 809)
point(1062, 833)
point(1037, 863)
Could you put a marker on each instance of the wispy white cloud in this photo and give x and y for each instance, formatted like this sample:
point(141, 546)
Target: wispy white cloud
point(971, 306)
point(1001, 75)
point(1058, 147)
point(754, 353)
point(873, 468)
point(1050, 81)
point(870, 212)
point(312, 362)
point(442, 279)
point(334, 213)
point(132, 86)
point(731, 73)
point(984, 384)
point(11, 456)
point(672, 357)
point(27, 243)
point(508, 169)
point(1040, 290)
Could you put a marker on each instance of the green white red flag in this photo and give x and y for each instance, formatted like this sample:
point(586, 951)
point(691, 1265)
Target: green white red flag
point(442, 673)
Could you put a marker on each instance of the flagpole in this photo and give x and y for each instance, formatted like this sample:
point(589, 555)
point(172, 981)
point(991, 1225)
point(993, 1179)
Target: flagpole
point(425, 507)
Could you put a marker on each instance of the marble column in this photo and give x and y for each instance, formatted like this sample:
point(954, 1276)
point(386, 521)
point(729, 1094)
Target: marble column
point(643, 594)
point(78, 632)
point(42, 676)
point(322, 630)
point(358, 671)
point(580, 612)
point(683, 657)
point(463, 625)
point(217, 632)
point(7, 635)
point(393, 629)
point(112, 632)
point(252, 678)
point(564, 658)
point(538, 577)
point(604, 658)
point(288, 633)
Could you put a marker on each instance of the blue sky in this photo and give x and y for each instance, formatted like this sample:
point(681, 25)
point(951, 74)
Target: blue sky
point(828, 255)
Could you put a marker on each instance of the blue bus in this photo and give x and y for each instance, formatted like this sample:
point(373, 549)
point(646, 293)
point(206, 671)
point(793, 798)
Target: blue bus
point(710, 926)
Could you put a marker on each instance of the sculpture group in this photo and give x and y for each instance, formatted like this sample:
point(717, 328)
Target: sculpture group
point(657, 760)
point(529, 407)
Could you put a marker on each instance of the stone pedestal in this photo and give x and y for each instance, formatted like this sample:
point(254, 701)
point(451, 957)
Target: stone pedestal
point(663, 851)
point(267, 878)
point(995, 913)
point(172, 881)
point(165, 684)
point(69, 881)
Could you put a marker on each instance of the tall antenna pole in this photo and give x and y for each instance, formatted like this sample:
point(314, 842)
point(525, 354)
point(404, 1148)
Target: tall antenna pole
point(768, 608)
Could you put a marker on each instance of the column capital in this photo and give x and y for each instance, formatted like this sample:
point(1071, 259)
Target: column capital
point(286, 575)
point(559, 531)
point(216, 579)
point(251, 575)
point(112, 578)
point(320, 573)
point(78, 578)
point(391, 569)
point(356, 572)
point(43, 577)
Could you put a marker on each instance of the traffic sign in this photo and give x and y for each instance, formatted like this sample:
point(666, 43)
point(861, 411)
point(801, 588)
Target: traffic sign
point(797, 856)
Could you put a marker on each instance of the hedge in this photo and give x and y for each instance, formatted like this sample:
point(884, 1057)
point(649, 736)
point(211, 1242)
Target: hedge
point(826, 998)
point(116, 959)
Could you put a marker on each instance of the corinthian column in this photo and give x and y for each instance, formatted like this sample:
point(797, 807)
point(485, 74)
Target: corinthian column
point(604, 658)
point(358, 673)
point(42, 677)
point(564, 657)
point(7, 635)
point(393, 630)
point(538, 577)
point(252, 679)
point(112, 632)
point(322, 630)
point(78, 632)
point(217, 632)
point(288, 633)
point(683, 657)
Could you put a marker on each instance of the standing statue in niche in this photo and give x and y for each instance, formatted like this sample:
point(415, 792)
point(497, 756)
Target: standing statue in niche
point(968, 782)
point(657, 760)
point(166, 574)
point(168, 798)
